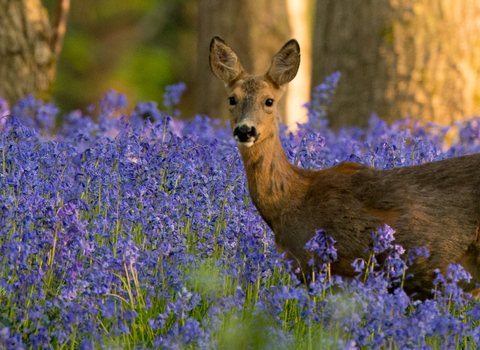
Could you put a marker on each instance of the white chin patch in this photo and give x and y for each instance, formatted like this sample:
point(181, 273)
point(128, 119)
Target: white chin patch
point(244, 144)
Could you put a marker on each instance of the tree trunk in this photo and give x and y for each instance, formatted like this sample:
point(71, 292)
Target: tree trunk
point(399, 58)
point(29, 47)
point(299, 89)
point(255, 29)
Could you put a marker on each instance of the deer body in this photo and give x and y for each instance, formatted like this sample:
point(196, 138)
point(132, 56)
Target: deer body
point(436, 205)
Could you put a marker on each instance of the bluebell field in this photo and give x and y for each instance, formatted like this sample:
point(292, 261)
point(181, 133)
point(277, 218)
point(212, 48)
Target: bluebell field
point(137, 232)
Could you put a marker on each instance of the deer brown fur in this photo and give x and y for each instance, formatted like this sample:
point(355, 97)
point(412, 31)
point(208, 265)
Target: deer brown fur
point(436, 205)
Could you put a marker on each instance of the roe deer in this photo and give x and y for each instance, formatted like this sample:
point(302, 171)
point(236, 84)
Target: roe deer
point(436, 205)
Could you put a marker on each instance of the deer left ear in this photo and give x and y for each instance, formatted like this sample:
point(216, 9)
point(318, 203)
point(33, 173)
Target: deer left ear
point(285, 63)
point(223, 61)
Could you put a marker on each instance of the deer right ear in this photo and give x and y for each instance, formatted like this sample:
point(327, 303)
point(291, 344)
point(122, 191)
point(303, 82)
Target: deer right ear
point(223, 61)
point(285, 63)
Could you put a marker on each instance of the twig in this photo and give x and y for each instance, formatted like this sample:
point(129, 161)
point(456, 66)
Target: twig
point(63, 7)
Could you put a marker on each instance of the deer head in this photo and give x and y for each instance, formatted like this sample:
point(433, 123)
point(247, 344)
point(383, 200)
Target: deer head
point(253, 99)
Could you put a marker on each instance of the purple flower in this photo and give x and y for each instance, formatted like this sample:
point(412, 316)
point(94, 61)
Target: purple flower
point(35, 114)
point(382, 239)
point(323, 246)
point(103, 225)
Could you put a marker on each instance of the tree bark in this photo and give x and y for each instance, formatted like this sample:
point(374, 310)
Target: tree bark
point(255, 29)
point(399, 58)
point(29, 48)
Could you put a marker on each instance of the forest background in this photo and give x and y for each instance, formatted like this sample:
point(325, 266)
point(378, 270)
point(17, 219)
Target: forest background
point(397, 58)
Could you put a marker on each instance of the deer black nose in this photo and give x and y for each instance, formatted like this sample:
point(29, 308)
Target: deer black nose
point(244, 133)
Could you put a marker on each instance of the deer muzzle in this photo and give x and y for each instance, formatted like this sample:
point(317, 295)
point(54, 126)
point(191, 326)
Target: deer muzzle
point(245, 135)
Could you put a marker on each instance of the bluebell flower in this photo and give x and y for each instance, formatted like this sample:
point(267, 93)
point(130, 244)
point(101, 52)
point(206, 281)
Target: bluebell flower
point(323, 246)
point(35, 114)
point(144, 198)
point(173, 93)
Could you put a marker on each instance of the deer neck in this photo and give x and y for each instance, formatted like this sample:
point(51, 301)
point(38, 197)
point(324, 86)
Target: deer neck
point(273, 183)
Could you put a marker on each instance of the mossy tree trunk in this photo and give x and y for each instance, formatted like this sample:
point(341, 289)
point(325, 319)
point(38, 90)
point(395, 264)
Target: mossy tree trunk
point(399, 58)
point(254, 29)
point(29, 47)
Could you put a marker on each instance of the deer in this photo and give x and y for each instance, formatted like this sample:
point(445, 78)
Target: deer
point(434, 205)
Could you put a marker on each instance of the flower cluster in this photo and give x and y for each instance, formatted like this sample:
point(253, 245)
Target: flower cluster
point(136, 231)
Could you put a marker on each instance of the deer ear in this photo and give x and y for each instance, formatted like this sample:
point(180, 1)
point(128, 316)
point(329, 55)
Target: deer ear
point(285, 63)
point(223, 61)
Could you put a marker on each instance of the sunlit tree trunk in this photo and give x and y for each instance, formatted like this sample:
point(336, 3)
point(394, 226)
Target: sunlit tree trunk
point(29, 47)
point(255, 29)
point(399, 58)
point(299, 89)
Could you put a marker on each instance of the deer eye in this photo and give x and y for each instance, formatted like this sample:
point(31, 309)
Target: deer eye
point(269, 102)
point(232, 101)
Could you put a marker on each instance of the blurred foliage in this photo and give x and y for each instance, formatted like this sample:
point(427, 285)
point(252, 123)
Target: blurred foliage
point(136, 47)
